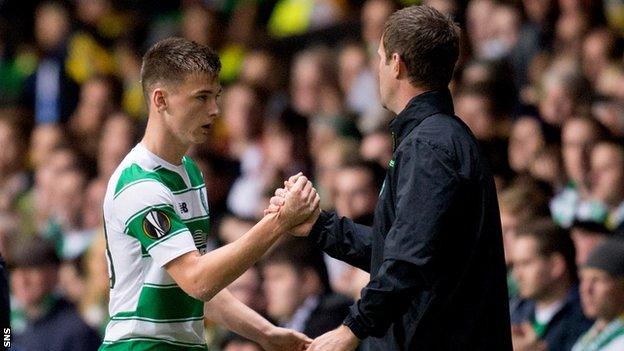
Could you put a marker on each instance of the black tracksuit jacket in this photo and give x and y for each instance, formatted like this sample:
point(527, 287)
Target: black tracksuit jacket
point(435, 252)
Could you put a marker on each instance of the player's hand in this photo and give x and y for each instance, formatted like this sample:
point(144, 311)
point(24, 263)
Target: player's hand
point(282, 339)
point(279, 200)
point(300, 201)
point(340, 339)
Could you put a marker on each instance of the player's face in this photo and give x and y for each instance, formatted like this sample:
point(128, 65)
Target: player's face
point(192, 108)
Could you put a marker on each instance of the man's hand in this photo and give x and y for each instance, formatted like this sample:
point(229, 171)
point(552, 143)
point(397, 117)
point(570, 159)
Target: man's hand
point(279, 200)
point(281, 339)
point(299, 203)
point(340, 339)
point(524, 338)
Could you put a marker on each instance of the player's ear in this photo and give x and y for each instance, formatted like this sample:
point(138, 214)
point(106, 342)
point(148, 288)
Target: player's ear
point(159, 99)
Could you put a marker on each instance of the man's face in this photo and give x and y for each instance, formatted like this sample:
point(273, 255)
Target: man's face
point(577, 140)
point(283, 290)
point(192, 108)
point(355, 194)
point(31, 284)
point(602, 295)
point(531, 270)
point(607, 173)
point(385, 76)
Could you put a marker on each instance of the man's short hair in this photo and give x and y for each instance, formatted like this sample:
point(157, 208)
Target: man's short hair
point(427, 42)
point(551, 239)
point(171, 60)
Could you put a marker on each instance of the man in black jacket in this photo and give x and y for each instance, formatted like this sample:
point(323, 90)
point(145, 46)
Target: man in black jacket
point(435, 250)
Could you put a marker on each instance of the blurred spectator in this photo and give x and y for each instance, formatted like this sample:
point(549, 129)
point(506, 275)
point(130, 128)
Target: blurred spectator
point(314, 86)
point(526, 141)
point(41, 319)
point(377, 146)
point(549, 317)
point(286, 146)
point(118, 136)
point(602, 294)
point(610, 112)
point(99, 97)
point(358, 184)
point(248, 289)
point(44, 140)
point(600, 51)
point(373, 18)
point(520, 202)
point(231, 228)
point(586, 235)
point(607, 183)
point(577, 138)
point(243, 113)
point(50, 92)
point(566, 93)
point(199, 25)
point(65, 223)
point(359, 84)
point(13, 180)
point(129, 66)
point(477, 107)
point(330, 157)
point(297, 289)
point(35, 207)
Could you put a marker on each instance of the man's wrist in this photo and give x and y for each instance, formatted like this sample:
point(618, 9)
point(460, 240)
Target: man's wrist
point(317, 227)
point(355, 327)
point(277, 223)
point(348, 336)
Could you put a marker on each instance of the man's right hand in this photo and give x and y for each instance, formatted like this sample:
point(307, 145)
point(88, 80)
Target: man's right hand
point(299, 203)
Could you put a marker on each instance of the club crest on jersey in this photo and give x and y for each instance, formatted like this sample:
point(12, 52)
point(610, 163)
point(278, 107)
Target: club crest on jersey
point(156, 224)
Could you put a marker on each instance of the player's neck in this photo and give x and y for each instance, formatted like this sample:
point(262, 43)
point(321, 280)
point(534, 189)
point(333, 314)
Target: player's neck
point(161, 143)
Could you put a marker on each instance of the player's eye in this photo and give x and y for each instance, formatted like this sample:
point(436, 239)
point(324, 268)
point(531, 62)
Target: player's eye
point(202, 98)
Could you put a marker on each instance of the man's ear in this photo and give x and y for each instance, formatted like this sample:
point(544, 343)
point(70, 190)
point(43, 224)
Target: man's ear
point(397, 65)
point(159, 99)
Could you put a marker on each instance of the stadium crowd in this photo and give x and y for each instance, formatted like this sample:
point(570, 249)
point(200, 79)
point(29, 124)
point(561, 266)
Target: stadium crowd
point(540, 83)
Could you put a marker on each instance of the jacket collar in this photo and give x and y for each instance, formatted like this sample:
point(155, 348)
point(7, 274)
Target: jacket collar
point(420, 107)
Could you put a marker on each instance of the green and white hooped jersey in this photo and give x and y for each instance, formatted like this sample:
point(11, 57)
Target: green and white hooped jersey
point(153, 212)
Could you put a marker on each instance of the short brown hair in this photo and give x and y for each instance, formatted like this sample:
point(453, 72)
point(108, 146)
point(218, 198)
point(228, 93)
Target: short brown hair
point(551, 239)
point(427, 42)
point(171, 60)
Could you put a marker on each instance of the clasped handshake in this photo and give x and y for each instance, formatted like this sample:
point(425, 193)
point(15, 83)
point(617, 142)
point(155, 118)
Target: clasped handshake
point(296, 205)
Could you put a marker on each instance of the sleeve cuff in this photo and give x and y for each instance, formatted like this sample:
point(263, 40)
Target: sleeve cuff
point(357, 329)
point(317, 229)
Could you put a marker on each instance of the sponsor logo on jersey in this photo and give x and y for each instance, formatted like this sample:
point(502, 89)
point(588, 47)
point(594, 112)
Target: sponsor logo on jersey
point(156, 224)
